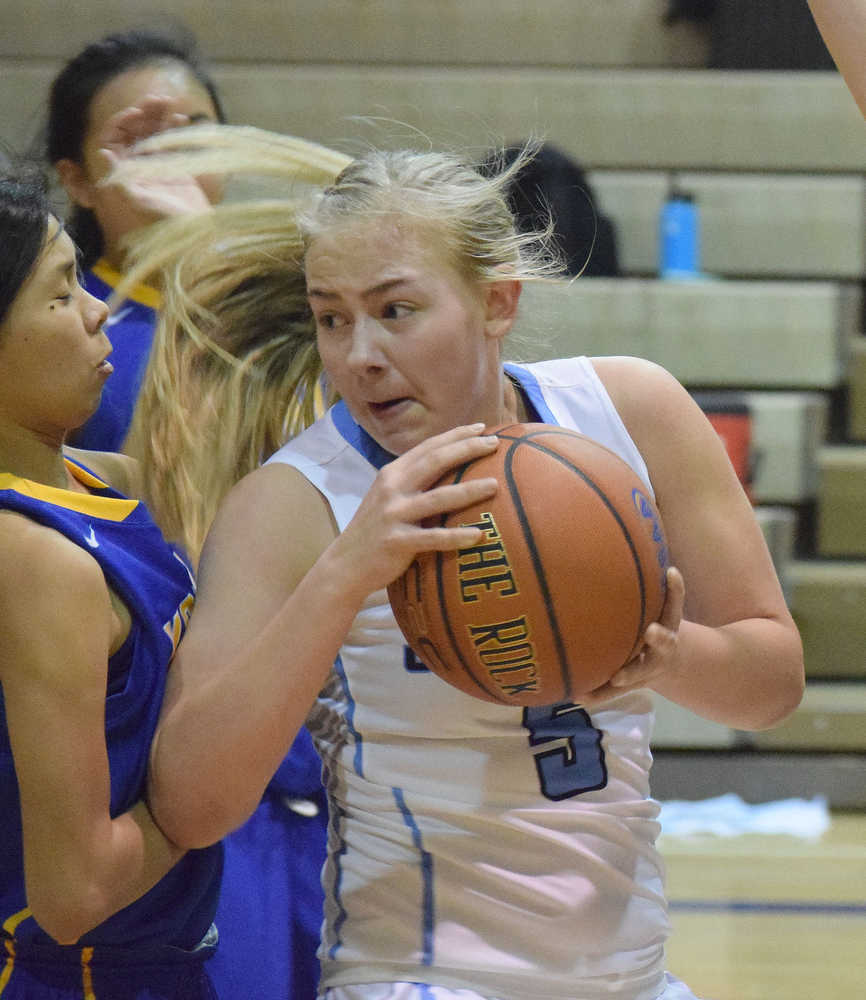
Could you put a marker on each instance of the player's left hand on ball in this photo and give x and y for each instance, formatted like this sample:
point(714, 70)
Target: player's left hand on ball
point(658, 649)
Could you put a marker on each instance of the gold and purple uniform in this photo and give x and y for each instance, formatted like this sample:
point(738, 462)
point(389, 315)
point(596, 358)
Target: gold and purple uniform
point(154, 947)
point(270, 906)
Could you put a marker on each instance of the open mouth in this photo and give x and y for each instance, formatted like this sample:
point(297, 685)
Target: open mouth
point(388, 404)
point(105, 367)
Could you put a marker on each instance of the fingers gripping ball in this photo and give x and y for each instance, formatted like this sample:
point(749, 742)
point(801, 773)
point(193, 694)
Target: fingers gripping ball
point(556, 597)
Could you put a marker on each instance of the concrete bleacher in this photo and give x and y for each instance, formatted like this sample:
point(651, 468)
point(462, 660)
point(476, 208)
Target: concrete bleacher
point(756, 334)
point(856, 384)
point(755, 225)
point(382, 32)
point(787, 431)
point(778, 347)
point(829, 718)
point(607, 81)
point(829, 601)
point(841, 518)
point(776, 161)
point(611, 118)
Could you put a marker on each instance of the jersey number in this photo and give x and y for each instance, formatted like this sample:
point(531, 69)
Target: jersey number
point(567, 747)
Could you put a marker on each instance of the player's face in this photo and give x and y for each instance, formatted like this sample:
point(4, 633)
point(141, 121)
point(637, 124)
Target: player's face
point(53, 350)
point(404, 339)
point(172, 80)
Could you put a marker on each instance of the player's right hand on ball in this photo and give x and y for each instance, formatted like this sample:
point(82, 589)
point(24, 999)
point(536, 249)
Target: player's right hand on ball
point(388, 529)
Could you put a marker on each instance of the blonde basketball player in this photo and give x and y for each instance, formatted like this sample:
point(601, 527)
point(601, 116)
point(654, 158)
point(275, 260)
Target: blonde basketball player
point(476, 851)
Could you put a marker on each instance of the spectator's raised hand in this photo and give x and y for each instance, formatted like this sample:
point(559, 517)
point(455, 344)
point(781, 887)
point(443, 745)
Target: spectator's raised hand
point(159, 196)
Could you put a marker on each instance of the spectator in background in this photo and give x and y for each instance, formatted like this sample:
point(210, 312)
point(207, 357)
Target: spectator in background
point(770, 35)
point(689, 10)
point(161, 76)
point(552, 188)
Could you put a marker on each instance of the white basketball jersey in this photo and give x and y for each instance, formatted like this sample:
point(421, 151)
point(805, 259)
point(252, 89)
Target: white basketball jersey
point(503, 850)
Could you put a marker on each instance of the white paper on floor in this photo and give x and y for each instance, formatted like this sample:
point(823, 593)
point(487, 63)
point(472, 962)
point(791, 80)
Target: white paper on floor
point(728, 816)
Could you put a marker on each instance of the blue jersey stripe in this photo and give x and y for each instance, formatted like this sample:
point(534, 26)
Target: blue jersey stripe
point(358, 438)
point(350, 717)
point(338, 823)
point(377, 456)
point(338, 820)
point(427, 905)
point(533, 392)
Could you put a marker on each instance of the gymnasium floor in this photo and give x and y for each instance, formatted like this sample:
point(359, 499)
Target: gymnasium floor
point(770, 917)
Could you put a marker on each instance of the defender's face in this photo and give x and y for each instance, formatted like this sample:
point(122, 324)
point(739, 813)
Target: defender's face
point(53, 351)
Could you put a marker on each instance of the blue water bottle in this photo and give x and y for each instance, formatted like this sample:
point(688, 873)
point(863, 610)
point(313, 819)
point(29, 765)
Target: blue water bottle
point(679, 236)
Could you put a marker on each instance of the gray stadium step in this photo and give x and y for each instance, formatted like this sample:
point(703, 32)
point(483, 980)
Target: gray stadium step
point(564, 33)
point(760, 776)
point(842, 501)
point(726, 334)
point(856, 379)
point(779, 527)
point(786, 431)
point(828, 602)
point(632, 119)
point(830, 718)
point(752, 225)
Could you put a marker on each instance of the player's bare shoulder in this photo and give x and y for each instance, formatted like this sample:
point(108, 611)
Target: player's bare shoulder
point(631, 382)
point(35, 555)
point(44, 573)
point(653, 404)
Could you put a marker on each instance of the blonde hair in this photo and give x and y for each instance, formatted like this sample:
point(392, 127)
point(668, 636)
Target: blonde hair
point(234, 371)
point(452, 200)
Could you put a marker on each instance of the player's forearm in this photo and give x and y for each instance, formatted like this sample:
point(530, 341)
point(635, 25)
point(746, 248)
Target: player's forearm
point(79, 881)
point(218, 746)
point(747, 675)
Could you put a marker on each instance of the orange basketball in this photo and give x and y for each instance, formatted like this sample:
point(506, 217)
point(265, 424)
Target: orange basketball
point(558, 594)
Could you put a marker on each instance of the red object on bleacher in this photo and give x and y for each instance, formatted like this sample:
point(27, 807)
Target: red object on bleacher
point(732, 419)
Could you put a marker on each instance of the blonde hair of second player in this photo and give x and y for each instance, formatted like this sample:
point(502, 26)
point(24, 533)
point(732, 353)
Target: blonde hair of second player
point(234, 370)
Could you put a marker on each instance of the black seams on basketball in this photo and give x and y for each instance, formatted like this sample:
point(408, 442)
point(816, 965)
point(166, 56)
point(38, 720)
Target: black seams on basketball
point(557, 596)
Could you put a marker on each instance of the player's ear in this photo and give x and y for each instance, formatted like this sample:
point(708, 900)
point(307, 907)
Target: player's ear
point(500, 299)
point(75, 182)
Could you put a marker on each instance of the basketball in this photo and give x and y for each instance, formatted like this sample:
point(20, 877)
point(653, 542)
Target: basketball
point(557, 596)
